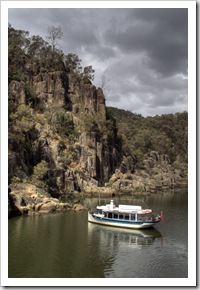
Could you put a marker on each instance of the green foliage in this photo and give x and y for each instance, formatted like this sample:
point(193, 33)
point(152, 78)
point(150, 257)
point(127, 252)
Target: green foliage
point(15, 179)
point(40, 171)
point(28, 56)
point(31, 98)
point(67, 152)
point(60, 121)
point(69, 156)
point(23, 115)
point(166, 134)
point(64, 124)
point(131, 134)
point(88, 74)
point(89, 123)
point(73, 62)
point(12, 108)
point(20, 122)
point(17, 47)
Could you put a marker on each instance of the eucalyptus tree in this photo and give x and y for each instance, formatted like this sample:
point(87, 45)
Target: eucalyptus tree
point(18, 43)
point(54, 34)
point(73, 63)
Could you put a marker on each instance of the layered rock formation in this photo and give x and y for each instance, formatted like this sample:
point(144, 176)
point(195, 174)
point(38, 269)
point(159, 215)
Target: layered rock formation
point(91, 158)
point(157, 175)
point(28, 199)
point(17, 92)
point(88, 162)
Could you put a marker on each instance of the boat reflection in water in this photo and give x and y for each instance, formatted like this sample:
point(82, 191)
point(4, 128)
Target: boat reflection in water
point(120, 237)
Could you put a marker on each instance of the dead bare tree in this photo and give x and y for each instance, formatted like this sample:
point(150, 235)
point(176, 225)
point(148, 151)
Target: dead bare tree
point(54, 34)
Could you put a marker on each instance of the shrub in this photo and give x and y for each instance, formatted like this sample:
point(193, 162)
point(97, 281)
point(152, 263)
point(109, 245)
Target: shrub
point(63, 124)
point(40, 170)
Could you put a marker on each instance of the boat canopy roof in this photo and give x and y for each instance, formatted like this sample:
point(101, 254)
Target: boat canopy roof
point(130, 207)
point(123, 208)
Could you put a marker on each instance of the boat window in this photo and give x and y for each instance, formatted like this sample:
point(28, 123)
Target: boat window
point(110, 215)
point(121, 216)
point(144, 217)
point(133, 216)
point(115, 216)
point(126, 216)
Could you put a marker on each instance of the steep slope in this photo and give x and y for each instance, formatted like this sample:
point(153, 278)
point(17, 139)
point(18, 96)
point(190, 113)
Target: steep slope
point(71, 132)
point(64, 142)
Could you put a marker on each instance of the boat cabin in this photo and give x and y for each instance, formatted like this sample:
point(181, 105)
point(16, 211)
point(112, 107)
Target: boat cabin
point(124, 212)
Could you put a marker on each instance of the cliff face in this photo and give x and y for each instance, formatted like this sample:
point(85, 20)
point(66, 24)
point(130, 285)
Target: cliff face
point(63, 143)
point(89, 159)
point(157, 174)
point(51, 87)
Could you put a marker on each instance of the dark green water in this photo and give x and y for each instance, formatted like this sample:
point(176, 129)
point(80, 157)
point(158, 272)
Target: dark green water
point(67, 246)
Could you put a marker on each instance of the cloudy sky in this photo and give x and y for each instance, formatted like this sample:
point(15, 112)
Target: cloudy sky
point(142, 52)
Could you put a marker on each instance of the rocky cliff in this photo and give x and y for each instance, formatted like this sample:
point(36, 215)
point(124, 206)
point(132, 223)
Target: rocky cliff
point(65, 143)
point(82, 158)
point(62, 143)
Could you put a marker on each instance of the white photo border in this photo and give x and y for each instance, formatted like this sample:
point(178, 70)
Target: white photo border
point(124, 282)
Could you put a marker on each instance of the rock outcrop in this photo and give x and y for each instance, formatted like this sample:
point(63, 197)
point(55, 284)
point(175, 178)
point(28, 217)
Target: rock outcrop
point(29, 199)
point(88, 162)
point(156, 175)
point(17, 92)
point(96, 156)
point(51, 87)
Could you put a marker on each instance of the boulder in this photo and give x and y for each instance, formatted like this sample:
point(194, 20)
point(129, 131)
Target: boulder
point(79, 207)
point(49, 207)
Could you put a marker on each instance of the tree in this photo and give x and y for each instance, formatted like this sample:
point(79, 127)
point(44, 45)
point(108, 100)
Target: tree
point(36, 46)
point(54, 34)
point(73, 62)
point(104, 84)
point(18, 43)
point(88, 74)
point(40, 171)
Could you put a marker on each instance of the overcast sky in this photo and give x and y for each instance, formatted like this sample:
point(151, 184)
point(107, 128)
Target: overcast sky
point(142, 52)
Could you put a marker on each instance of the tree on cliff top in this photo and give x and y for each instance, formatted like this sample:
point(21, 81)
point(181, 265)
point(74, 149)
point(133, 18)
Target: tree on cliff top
point(73, 62)
point(54, 34)
point(17, 46)
point(104, 84)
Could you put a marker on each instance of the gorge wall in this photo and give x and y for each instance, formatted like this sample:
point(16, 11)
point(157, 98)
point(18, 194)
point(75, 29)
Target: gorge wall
point(94, 151)
point(62, 142)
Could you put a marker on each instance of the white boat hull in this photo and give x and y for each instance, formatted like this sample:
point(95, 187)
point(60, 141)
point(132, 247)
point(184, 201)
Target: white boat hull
point(120, 223)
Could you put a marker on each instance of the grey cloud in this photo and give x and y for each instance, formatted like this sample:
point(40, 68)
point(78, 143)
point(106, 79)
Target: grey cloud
point(161, 33)
point(142, 51)
point(104, 52)
point(142, 87)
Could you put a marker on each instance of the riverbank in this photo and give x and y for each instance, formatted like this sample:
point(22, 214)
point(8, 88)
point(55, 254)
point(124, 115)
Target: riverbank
point(27, 199)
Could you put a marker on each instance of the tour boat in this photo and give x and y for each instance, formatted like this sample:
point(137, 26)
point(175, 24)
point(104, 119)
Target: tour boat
point(124, 216)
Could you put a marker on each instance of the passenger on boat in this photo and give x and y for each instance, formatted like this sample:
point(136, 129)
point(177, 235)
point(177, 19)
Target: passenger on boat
point(157, 217)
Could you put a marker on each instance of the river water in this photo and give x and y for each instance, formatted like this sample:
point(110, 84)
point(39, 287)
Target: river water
point(67, 246)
